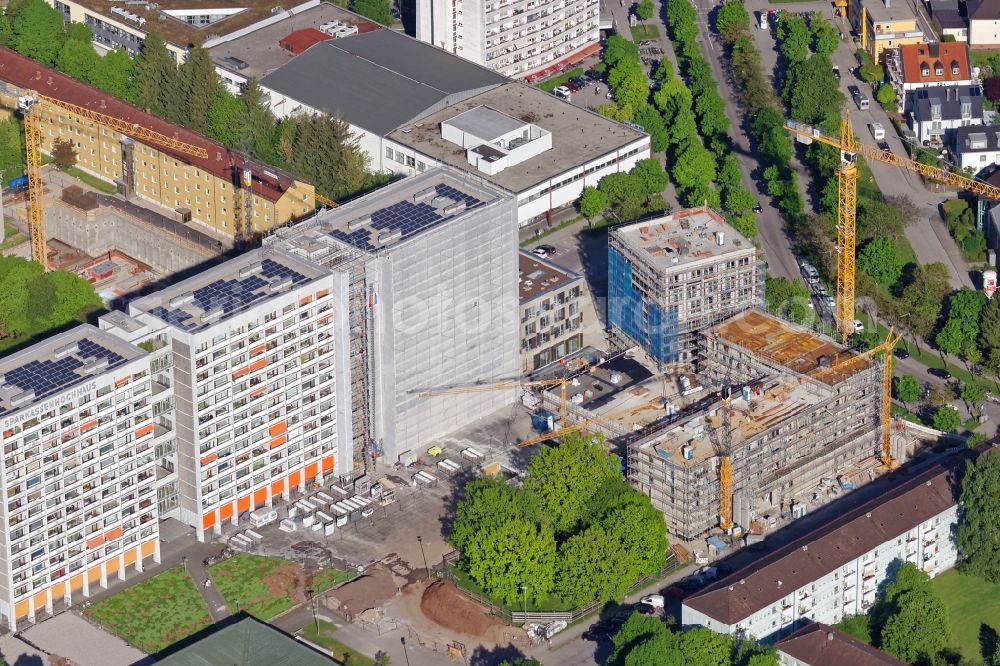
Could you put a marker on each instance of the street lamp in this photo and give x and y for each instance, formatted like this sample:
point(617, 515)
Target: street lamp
point(402, 639)
point(524, 592)
point(427, 569)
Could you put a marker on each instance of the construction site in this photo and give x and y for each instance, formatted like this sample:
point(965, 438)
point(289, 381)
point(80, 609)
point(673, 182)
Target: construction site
point(792, 418)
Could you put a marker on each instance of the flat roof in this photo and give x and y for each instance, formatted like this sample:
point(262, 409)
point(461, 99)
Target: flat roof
point(772, 401)
point(260, 51)
point(486, 123)
point(579, 136)
point(60, 363)
point(897, 11)
point(538, 276)
point(819, 644)
point(227, 289)
point(855, 532)
point(391, 215)
point(791, 346)
point(378, 80)
point(247, 642)
point(683, 238)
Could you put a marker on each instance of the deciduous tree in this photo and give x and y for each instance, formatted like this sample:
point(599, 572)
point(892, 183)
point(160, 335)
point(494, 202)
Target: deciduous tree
point(732, 21)
point(880, 259)
point(825, 37)
point(503, 557)
point(812, 91)
point(886, 96)
point(918, 628)
point(946, 418)
point(377, 10)
point(793, 37)
point(694, 165)
point(78, 59)
point(593, 202)
point(961, 328)
point(64, 153)
point(907, 389)
point(113, 75)
point(489, 502)
point(38, 31)
point(644, 10)
point(650, 175)
point(589, 567)
point(979, 520)
point(872, 72)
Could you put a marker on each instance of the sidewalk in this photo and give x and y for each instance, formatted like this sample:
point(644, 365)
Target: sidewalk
point(216, 604)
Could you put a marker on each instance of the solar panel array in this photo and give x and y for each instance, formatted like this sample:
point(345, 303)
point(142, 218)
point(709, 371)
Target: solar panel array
point(407, 217)
point(229, 295)
point(52, 376)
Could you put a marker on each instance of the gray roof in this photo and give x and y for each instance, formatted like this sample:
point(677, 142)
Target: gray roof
point(486, 123)
point(950, 98)
point(247, 642)
point(822, 645)
point(984, 10)
point(971, 139)
point(379, 80)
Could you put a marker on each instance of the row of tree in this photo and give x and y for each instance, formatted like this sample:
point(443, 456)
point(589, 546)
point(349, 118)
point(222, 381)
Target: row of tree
point(576, 529)
point(319, 149)
point(648, 641)
point(629, 195)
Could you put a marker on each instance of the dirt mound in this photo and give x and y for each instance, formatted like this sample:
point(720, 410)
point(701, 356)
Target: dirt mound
point(445, 605)
point(368, 591)
point(285, 580)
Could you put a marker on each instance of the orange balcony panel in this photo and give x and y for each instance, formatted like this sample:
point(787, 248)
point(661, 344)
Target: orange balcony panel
point(94, 573)
point(278, 441)
point(143, 431)
point(208, 520)
point(279, 428)
point(259, 349)
point(95, 542)
point(131, 555)
point(325, 320)
point(122, 381)
point(322, 292)
point(305, 300)
point(114, 534)
point(260, 497)
point(295, 478)
point(312, 470)
point(209, 458)
point(328, 463)
point(21, 609)
point(226, 512)
point(258, 364)
point(243, 504)
point(76, 582)
point(88, 425)
point(277, 487)
point(257, 392)
point(149, 548)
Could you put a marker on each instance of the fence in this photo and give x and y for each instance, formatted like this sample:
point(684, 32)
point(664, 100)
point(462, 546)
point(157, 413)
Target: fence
point(541, 617)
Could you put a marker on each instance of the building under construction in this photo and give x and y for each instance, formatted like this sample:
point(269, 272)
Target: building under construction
point(792, 408)
point(431, 265)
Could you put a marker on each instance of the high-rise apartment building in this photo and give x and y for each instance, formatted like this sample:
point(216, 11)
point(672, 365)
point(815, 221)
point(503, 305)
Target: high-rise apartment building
point(258, 349)
point(78, 432)
point(513, 37)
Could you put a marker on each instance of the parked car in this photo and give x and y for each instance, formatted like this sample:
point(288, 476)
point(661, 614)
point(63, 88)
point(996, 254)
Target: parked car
point(858, 326)
point(884, 146)
point(544, 251)
point(653, 600)
point(940, 373)
point(757, 209)
point(836, 71)
point(900, 352)
point(647, 609)
point(854, 90)
point(599, 633)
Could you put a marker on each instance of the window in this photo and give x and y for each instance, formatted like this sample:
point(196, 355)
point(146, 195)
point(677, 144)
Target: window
point(388, 152)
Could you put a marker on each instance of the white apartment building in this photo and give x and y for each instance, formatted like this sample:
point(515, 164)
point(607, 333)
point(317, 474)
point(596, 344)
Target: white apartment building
point(934, 113)
point(837, 571)
point(260, 371)
point(977, 147)
point(78, 432)
point(513, 37)
point(984, 23)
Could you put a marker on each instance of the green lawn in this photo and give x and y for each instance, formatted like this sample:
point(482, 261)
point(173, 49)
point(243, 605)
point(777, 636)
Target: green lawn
point(341, 652)
point(534, 240)
point(971, 603)
point(548, 85)
point(11, 236)
point(643, 32)
point(155, 613)
point(328, 578)
point(251, 583)
point(93, 181)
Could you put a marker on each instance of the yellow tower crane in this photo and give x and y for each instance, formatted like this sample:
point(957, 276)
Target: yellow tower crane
point(585, 424)
point(885, 348)
point(847, 181)
point(32, 105)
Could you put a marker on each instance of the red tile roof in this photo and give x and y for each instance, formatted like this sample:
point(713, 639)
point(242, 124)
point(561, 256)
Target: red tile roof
point(920, 58)
point(821, 645)
point(809, 558)
point(300, 40)
point(28, 74)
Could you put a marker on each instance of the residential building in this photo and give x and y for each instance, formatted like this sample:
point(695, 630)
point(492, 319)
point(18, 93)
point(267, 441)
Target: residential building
point(984, 24)
point(837, 571)
point(430, 264)
point(818, 644)
point(671, 277)
point(259, 362)
point(919, 66)
point(977, 147)
point(513, 37)
point(77, 416)
point(882, 24)
point(792, 420)
point(934, 113)
point(180, 23)
point(408, 103)
point(182, 186)
point(948, 21)
point(551, 322)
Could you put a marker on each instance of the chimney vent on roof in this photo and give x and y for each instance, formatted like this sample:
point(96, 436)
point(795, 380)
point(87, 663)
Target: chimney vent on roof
point(868, 515)
point(730, 588)
point(48, 81)
point(743, 581)
point(928, 483)
point(805, 548)
point(779, 583)
point(829, 635)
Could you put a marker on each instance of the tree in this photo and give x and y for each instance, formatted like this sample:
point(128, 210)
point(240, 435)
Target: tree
point(199, 86)
point(326, 153)
point(773, 142)
point(650, 120)
point(918, 629)
point(664, 71)
point(638, 629)
point(650, 175)
point(872, 72)
point(379, 11)
point(64, 153)
point(738, 199)
point(989, 327)
point(593, 202)
point(794, 37)
point(825, 37)
point(711, 113)
point(886, 96)
point(11, 149)
point(155, 76)
point(6, 31)
point(564, 478)
point(38, 31)
point(78, 59)
point(113, 75)
point(858, 627)
point(880, 259)
point(972, 395)
point(644, 10)
point(946, 418)
point(622, 187)
point(589, 568)
point(488, 503)
point(694, 165)
point(979, 520)
point(732, 21)
point(812, 90)
point(907, 389)
point(224, 119)
point(638, 528)
point(704, 647)
point(682, 20)
point(503, 557)
point(924, 295)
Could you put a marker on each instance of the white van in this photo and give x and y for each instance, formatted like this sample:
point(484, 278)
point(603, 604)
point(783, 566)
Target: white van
point(861, 100)
point(763, 20)
point(263, 516)
point(562, 92)
point(878, 131)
